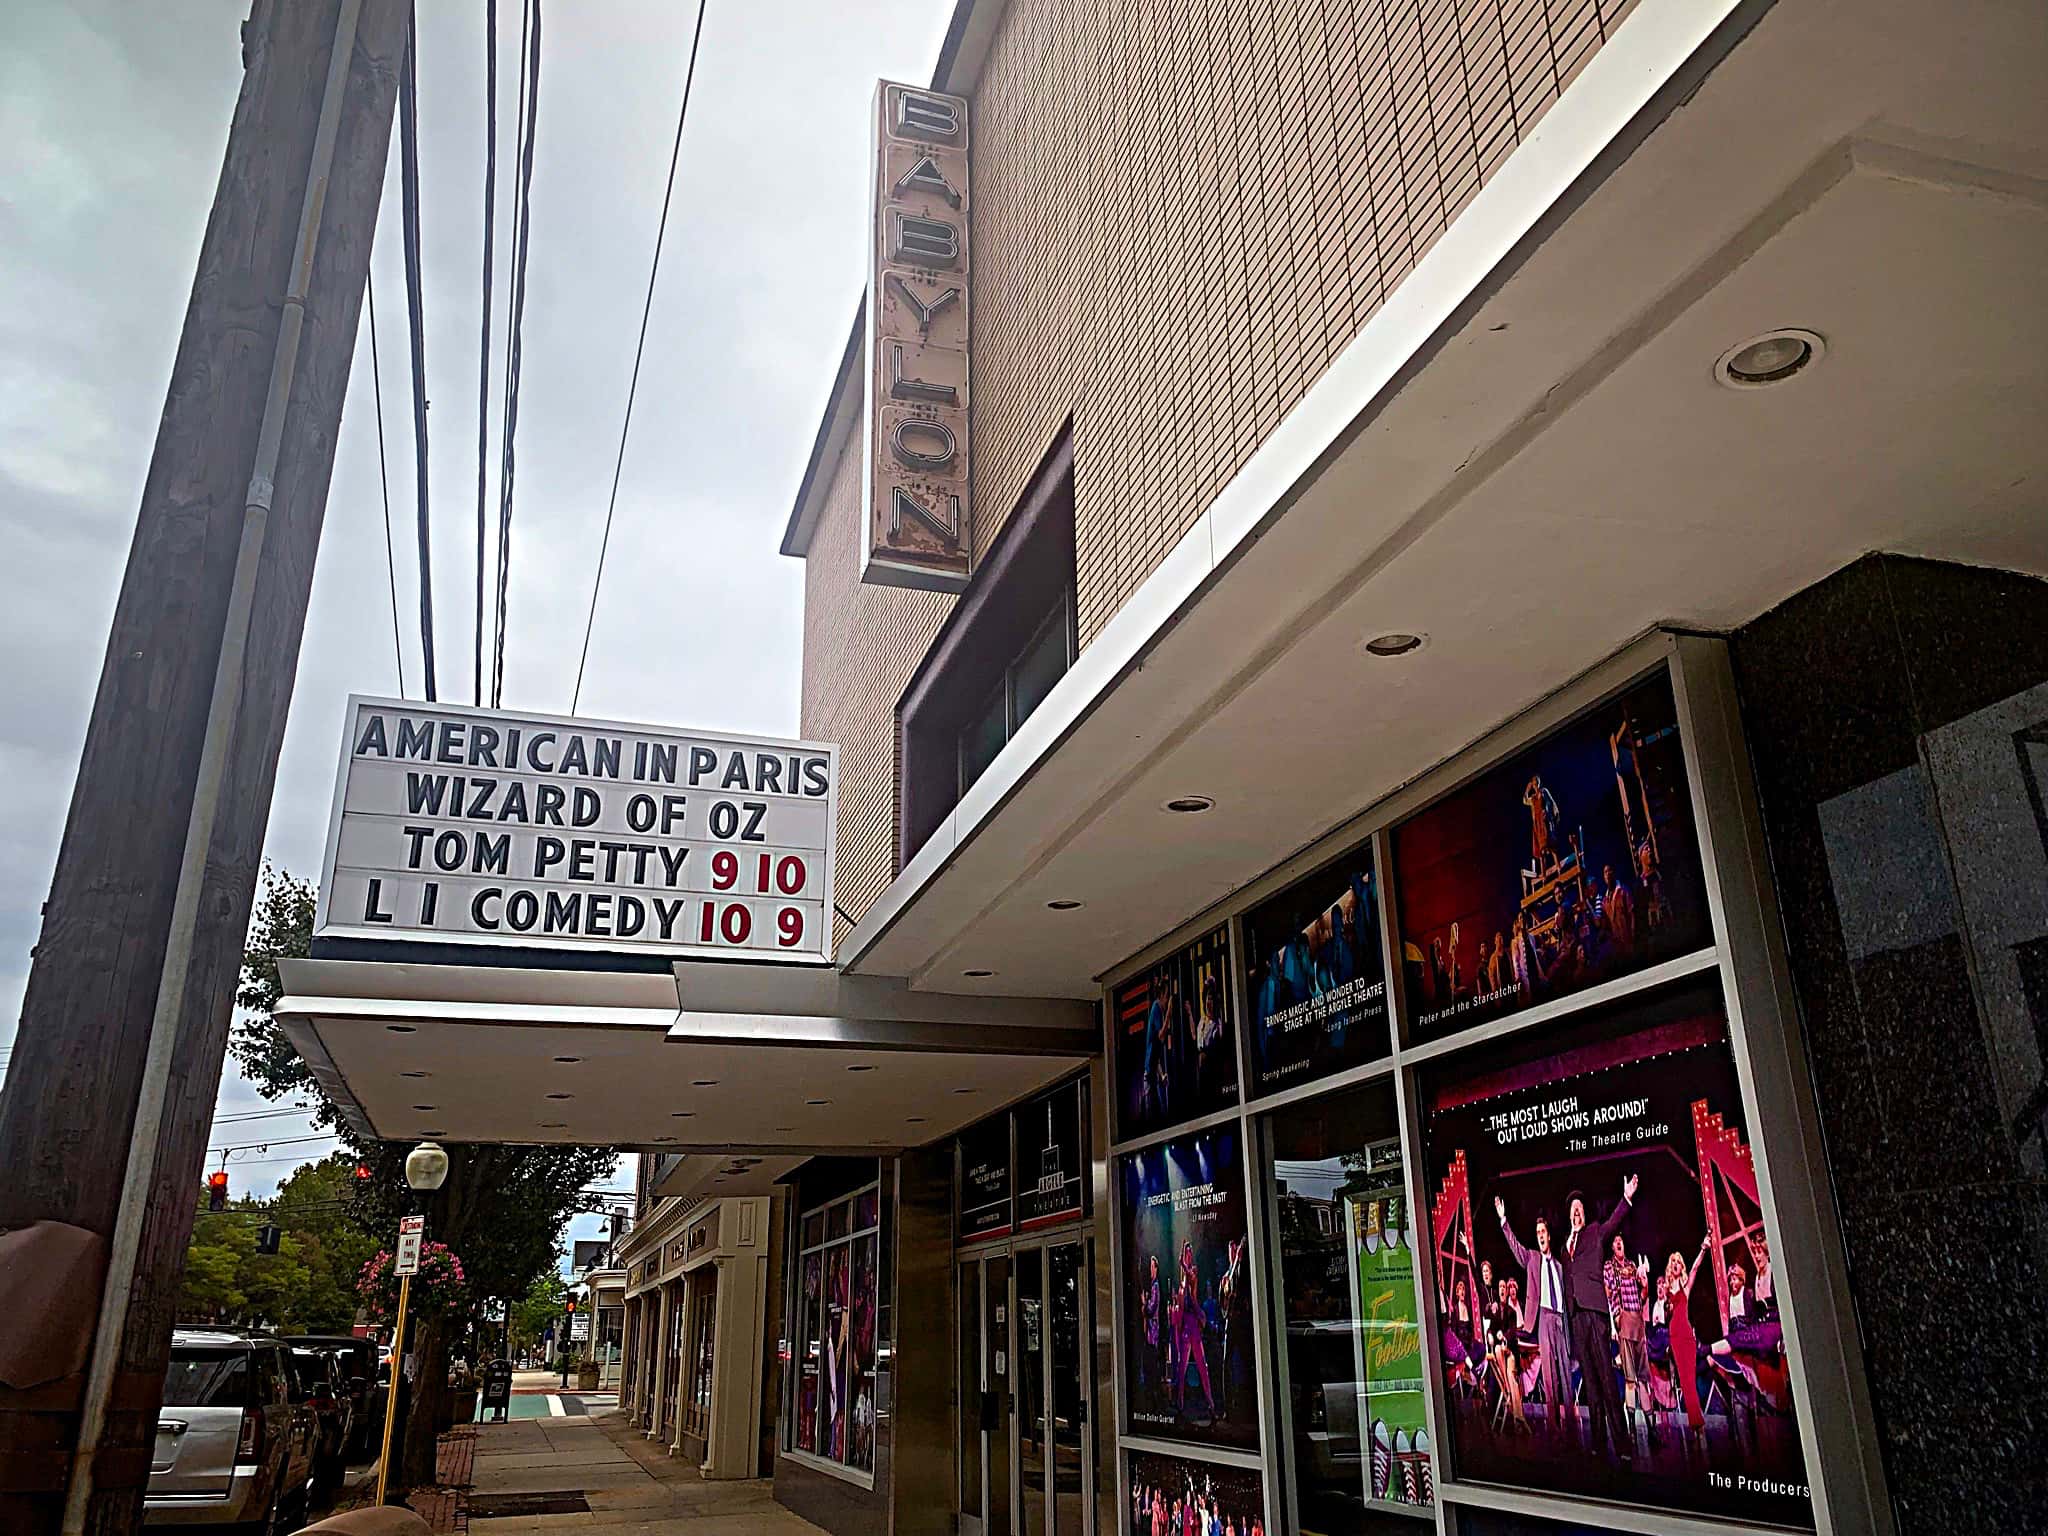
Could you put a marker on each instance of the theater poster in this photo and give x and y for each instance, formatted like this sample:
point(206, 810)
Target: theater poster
point(1176, 1058)
point(1188, 1367)
point(1316, 988)
point(1570, 864)
point(984, 1208)
point(1163, 1489)
point(1663, 1378)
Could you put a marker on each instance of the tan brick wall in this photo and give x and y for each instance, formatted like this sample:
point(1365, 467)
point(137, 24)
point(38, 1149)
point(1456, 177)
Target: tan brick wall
point(1183, 210)
point(861, 643)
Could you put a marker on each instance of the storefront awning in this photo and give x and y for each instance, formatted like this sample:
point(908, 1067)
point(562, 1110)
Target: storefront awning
point(713, 1057)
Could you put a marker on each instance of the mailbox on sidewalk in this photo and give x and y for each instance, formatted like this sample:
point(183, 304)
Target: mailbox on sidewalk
point(498, 1387)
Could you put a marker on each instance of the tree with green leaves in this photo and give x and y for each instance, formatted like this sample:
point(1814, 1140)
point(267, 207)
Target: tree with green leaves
point(503, 1209)
point(540, 1306)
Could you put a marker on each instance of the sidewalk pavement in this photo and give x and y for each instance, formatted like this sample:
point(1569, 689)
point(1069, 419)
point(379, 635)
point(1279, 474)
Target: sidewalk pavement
point(613, 1482)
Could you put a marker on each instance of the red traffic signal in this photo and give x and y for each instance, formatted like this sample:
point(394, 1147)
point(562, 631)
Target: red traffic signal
point(217, 1190)
point(571, 1306)
point(362, 1173)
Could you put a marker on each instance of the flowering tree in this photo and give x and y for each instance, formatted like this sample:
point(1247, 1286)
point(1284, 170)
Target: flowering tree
point(438, 1289)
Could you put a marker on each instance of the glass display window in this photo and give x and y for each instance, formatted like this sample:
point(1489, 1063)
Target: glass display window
point(1352, 1336)
point(838, 1315)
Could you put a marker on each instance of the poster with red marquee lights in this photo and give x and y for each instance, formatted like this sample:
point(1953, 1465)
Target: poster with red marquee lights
point(1603, 1282)
point(1572, 863)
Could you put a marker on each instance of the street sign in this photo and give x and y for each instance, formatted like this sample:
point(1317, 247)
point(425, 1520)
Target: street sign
point(467, 826)
point(579, 1327)
point(412, 1232)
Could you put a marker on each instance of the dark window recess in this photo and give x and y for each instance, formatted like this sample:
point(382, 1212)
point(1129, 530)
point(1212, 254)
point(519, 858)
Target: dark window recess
point(1009, 639)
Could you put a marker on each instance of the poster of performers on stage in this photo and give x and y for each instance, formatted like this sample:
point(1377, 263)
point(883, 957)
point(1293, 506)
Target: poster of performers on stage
point(1603, 1281)
point(1175, 1057)
point(1173, 1496)
point(1316, 990)
point(1572, 863)
point(1187, 1359)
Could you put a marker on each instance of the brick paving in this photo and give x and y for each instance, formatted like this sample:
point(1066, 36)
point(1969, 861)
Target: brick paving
point(445, 1506)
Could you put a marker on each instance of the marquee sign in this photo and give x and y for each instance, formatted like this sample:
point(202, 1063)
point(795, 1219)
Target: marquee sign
point(919, 494)
point(474, 826)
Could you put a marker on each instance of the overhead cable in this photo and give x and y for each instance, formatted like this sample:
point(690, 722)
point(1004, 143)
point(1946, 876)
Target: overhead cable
point(633, 388)
point(483, 363)
point(521, 229)
point(409, 179)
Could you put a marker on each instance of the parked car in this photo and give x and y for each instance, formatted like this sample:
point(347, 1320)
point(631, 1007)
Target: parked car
point(234, 1442)
point(358, 1358)
point(316, 1374)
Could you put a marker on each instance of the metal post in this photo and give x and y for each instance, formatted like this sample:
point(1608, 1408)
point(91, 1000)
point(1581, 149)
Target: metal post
point(391, 1396)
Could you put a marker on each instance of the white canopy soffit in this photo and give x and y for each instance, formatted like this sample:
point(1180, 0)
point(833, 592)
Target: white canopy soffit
point(1526, 458)
point(713, 1057)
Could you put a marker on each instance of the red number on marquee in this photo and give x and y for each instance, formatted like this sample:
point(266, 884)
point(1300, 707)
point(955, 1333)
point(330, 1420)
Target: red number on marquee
point(736, 924)
point(789, 875)
point(791, 921)
point(725, 869)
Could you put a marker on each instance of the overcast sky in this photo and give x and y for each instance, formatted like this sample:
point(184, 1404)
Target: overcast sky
point(114, 116)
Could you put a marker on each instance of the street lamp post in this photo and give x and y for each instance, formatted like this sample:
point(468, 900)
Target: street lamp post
point(426, 1169)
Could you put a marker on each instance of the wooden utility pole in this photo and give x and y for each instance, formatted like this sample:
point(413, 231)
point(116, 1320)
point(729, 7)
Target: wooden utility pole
point(143, 932)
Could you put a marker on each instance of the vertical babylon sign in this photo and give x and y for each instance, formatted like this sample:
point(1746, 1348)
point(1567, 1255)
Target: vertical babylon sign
point(468, 826)
point(919, 492)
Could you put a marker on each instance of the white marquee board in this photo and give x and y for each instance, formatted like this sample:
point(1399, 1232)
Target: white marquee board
point(467, 826)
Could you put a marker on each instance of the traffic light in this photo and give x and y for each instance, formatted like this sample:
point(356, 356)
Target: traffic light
point(217, 1190)
point(362, 1173)
point(267, 1238)
point(571, 1305)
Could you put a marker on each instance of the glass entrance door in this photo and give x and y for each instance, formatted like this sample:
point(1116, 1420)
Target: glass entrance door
point(985, 1391)
point(1054, 1392)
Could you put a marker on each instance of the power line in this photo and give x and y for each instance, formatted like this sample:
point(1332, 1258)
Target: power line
point(275, 1141)
point(522, 222)
point(384, 482)
point(633, 388)
point(409, 182)
point(483, 366)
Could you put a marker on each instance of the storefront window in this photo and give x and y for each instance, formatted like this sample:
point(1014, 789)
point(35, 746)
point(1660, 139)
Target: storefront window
point(838, 1306)
point(697, 1412)
point(1347, 1300)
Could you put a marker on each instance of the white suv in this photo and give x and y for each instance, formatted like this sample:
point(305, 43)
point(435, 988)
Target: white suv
point(234, 1445)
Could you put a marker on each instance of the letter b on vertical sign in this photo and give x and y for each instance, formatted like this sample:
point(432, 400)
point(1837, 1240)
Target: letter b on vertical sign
point(919, 489)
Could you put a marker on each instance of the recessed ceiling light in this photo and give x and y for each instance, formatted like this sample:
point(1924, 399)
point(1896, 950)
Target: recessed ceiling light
point(415, 1074)
point(1063, 906)
point(1770, 358)
point(1398, 643)
point(401, 1029)
point(1189, 805)
point(561, 1095)
point(568, 1060)
point(817, 1103)
point(704, 1082)
point(977, 975)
